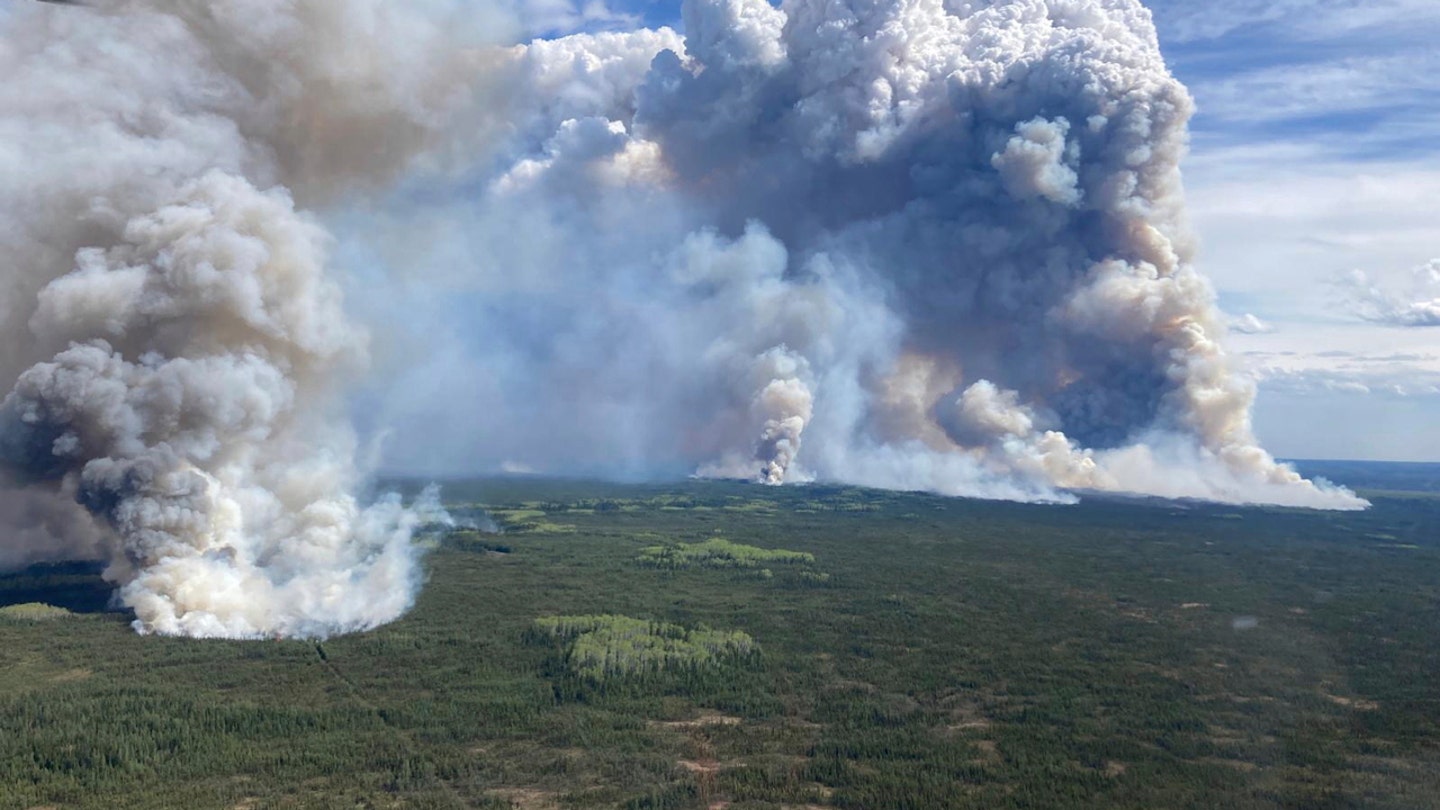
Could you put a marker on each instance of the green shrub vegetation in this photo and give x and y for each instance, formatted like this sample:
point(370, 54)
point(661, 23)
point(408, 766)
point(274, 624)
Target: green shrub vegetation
point(963, 655)
point(33, 612)
point(602, 647)
point(717, 552)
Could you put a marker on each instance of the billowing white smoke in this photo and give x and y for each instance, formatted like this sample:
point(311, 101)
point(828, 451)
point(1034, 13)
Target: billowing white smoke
point(175, 348)
point(960, 224)
point(903, 243)
point(785, 402)
point(781, 408)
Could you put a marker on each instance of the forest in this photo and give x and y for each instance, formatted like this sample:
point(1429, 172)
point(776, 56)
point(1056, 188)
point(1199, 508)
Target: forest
point(723, 645)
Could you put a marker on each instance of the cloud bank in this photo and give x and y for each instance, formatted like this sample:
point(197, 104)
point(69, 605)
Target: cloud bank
point(916, 245)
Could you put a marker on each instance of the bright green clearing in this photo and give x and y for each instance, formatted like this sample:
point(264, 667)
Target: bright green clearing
point(33, 612)
point(717, 552)
point(604, 647)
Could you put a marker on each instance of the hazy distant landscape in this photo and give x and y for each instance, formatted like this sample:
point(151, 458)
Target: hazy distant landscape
point(1376, 475)
point(836, 648)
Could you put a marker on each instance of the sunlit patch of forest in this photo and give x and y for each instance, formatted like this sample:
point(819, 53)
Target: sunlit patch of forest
point(604, 648)
point(600, 648)
point(717, 552)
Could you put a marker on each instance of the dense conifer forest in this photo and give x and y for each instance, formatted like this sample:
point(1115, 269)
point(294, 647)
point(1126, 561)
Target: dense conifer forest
point(618, 646)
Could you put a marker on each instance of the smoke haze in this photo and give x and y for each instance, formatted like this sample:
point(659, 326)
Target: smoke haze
point(917, 245)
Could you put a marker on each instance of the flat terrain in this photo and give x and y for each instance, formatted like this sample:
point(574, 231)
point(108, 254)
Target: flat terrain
point(842, 648)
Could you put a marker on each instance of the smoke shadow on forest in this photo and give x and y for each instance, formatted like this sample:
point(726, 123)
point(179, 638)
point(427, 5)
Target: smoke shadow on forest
point(76, 586)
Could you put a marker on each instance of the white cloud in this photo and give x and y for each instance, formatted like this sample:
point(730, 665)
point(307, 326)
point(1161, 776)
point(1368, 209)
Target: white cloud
point(1388, 85)
point(1279, 222)
point(551, 17)
point(1409, 299)
point(1335, 404)
point(1405, 19)
point(1373, 382)
point(1377, 402)
point(1249, 324)
point(1185, 21)
point(1360, 77)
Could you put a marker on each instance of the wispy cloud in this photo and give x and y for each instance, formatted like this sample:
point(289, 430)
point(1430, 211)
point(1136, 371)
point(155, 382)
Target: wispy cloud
point(1406, 300)
point(1183, 21)
point(1279, 222)
point(1381, 83)
point(1364, 77)
point(1406, 374)
point(555, 17)
point(1318, 381)
point(1188, 22)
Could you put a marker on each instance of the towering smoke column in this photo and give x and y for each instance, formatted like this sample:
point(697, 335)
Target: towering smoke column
point(921, 243)
point(174, 346)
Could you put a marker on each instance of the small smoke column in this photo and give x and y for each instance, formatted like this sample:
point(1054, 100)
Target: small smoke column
point(176, 348)
point(785, 404)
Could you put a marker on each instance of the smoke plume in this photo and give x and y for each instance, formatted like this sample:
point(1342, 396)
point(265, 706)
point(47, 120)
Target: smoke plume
point(175, 348)
point(924, 245)
point(935, 245)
